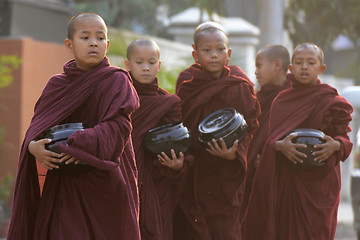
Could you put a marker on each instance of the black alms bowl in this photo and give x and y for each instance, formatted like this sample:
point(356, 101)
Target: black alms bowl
point(166, 137)
point(59, 134)
point(309, 137)
point(224, 123)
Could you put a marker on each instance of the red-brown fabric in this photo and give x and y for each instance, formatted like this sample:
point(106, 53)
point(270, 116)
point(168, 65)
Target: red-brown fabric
point(156, 182)
point(187, 75)
point(265, 95)
point(102, 202)
point(290, 204)
point(214, 191)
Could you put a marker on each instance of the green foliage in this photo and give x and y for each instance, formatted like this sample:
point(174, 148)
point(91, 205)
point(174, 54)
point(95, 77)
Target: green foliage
point(8, 63)
point(321, 21)
point(6, 185)
point(141, 15)
point(119, 42)
point(167, 79)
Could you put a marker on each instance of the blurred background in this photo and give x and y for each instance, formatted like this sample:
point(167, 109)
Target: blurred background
point(32, 34)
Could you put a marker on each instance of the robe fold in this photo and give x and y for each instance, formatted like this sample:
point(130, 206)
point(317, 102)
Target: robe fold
point(211, 202)
point(187, 74)
point(265, 95)
point(101, 202)
point(159, 185)
point(292, 204)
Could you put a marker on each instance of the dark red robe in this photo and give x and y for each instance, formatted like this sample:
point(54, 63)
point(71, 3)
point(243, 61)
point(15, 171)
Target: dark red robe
point(290, 204)
point(102, 201)
point(265, 95)
point(187, 74)
point(157, 183)
point(213, 195)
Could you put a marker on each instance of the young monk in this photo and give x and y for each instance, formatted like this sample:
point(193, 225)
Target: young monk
point(272, 63)
point(158, 175)
point(210, 206)
point(300, 204)
point(100, 202)
point(186, 74)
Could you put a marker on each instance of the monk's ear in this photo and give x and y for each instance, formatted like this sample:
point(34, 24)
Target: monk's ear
point(278, 64)
point(290, 67)
point(68, 45)
point(195, 56)
point(107, 45)
point(159, 66)
point(229, 53)
point(127, 65)
point(322, 68)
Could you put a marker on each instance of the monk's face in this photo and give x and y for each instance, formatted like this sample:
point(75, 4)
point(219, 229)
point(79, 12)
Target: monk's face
point(144, 64)
point(89, 44)
point(212, 52)
point(306, 66)
point(265, 71)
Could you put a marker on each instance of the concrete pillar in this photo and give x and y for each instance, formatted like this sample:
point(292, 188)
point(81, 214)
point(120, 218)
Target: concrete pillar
point(271, 22)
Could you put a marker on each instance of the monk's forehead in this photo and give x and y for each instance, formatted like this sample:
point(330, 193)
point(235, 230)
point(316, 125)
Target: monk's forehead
point(209, 33)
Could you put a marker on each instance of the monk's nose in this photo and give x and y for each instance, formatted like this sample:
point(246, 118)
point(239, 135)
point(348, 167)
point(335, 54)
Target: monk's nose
point(93, 43)
point(146, 67)
point(214, 54)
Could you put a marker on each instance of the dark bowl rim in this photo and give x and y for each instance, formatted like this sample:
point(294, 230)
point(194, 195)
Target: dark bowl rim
point(64, 126)
point(318, 133)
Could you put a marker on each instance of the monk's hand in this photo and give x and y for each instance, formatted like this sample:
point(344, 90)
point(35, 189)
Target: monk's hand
point(326, 149)
point(289, 149)
point(68, 159)
point(45, 157)
point(222, 151)
point(175, 163)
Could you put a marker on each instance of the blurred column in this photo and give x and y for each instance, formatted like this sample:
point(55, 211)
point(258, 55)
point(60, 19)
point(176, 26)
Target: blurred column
point(271, 22)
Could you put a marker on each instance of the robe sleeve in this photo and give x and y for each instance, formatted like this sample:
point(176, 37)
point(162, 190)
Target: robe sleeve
point(101, 145)
point(232, 174)
point(337, 120)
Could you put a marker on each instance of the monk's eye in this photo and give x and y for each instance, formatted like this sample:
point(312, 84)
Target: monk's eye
point(101, 38)
point(85, 38)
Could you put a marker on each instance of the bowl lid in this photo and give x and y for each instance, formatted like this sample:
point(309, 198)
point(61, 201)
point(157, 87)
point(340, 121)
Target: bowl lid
point(220, 123)
point(308, 132)
point(170, 131)
point(65, 126)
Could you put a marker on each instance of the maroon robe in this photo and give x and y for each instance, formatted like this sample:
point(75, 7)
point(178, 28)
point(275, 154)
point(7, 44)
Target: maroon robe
point(102, 201)
point(213, 195)
point(187, 74)
point(265, 95)
point(290, 204)
point(157, 183)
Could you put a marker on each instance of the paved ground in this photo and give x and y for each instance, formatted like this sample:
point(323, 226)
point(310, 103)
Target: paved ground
point(345, 230)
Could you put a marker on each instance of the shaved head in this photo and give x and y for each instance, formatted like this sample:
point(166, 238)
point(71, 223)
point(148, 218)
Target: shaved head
point(309, 45)
point(142, 42)
point(272, 52)
point(78, 17)
point(208, 27)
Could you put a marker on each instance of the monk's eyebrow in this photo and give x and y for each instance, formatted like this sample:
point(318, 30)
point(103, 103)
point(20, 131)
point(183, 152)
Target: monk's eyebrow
point(85, 31)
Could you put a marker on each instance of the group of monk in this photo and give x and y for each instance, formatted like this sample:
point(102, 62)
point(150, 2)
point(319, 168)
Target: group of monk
point(250, 190)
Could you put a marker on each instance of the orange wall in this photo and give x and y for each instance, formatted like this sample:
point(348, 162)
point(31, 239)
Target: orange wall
point(40, 60)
